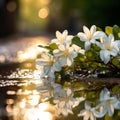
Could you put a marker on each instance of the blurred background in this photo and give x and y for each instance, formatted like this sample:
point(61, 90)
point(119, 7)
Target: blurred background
point(47, 16)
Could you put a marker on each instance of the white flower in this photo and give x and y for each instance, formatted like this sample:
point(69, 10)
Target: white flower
point(90, 36)
point(87, 113)
point(65, 54)
point(50, 89)
point(107, 103)
point(49, 63)
point(66, 103)
point(78, 49)
point(62, 38)
point(108, 47)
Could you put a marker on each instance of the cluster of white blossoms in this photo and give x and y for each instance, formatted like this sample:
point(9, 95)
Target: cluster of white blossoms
point(61, 52)
point(108, 45)
point(66, 51)
point(63, 55)
point(107, 105)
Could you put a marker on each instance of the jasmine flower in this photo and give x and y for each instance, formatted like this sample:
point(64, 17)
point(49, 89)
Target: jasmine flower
point(87, 113)
point(62, 38)
point(66, 103)
point(108, 104)
point(90, 36)
point(65, 54)
point(109, 47)
point(49, 63)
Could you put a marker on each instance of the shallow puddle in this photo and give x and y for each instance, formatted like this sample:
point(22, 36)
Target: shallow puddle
point(19, 99)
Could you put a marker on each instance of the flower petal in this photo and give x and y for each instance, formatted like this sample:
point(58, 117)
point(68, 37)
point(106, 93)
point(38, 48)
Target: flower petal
point(61, 47)
point(110, 110)
point(113, 52)
point(99, 114)
point(98, 35)
point(87, 105)
point(104, 95)
point(92, 117)
point(93, 29)
point(58, 34)
point(118, 43)
point(105, 56)
point(82, 36)
point(82, 113)
point(69, 62)
point(117, 105)
point(86, 31)
point(54, 40)
point(87, 45)
point(87, 116)
point(62, 61)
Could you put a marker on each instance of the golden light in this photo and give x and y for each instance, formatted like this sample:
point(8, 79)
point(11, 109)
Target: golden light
point(43, 12)
point(43, 106)
point(45, 116)
point(9, 101)
point(32, 50)
point(2, 58)
point(22, 103)
point(9, 109)
point(11, 92)
point(25, 55)
point(11, 6)
point(33, 99)
point(45, 2)
point(29, 108)
point(26, 1)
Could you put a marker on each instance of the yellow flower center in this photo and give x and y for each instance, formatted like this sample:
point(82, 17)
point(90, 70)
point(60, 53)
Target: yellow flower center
point(109, 47)
point(89, 37)
point(61, 40)
point(66, 53)
point(50, 63)
point(108, 102)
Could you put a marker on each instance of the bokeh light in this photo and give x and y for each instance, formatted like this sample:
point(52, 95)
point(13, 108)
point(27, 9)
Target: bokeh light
point(43, 12)
point(45, 2)
point(11, 6)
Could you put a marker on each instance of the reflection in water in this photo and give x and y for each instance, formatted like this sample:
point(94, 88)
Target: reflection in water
point(27, 103)
point(28, 107)
point(19, 98)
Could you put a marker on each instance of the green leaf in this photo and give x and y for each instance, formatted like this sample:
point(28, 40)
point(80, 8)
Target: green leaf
point(107, 117)
point(116, 31)
point(108, 30)
point(41, 46)
point(77, 42)
point(99, 29)
point(119, 34)
point(53, 46)
point(116, 88)
point(116, 62)
point(91, 95)
point(46, 47)
point(79, 86)
point(91, 55)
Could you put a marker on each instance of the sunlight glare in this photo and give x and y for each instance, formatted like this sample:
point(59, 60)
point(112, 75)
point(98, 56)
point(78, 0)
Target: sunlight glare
point(29, 108)
point(43, 13)
point(32, 50)
point(45, 2)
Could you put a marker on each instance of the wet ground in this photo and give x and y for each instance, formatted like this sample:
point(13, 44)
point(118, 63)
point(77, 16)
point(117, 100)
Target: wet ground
point(19, 99)
point(18, 75)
